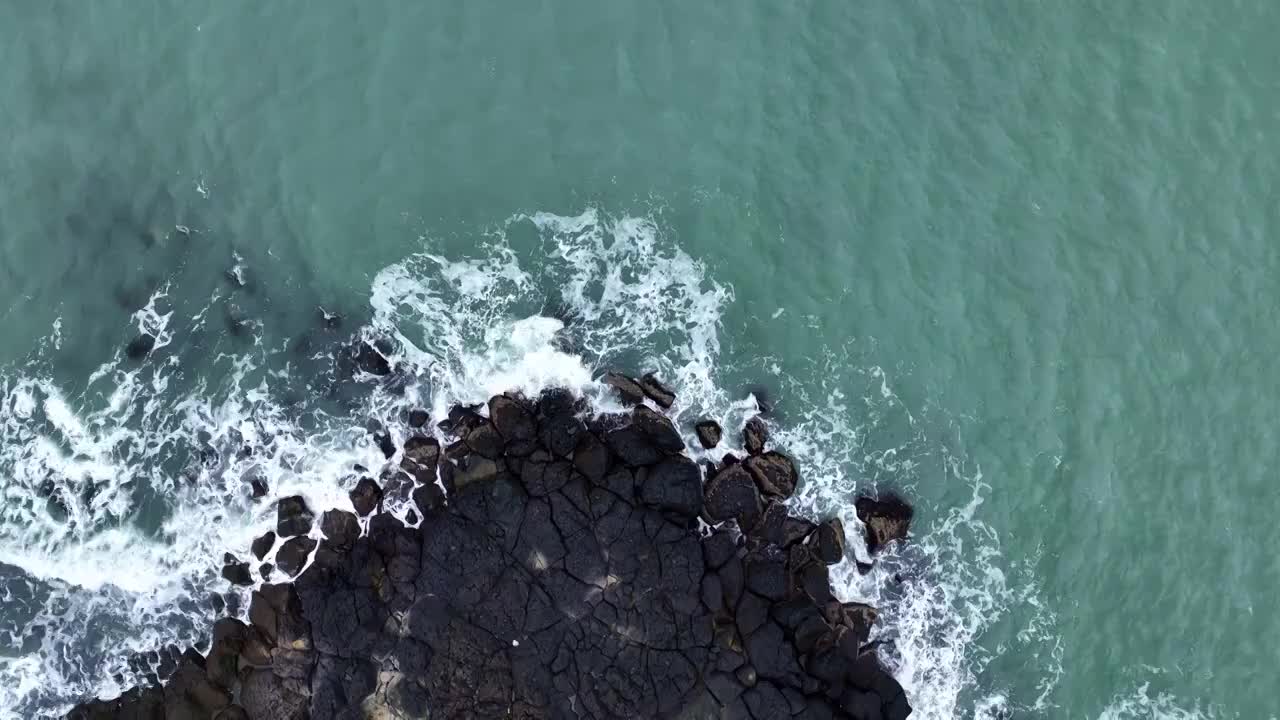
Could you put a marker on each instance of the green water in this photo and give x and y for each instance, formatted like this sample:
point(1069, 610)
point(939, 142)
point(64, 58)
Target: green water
point(1051, 224)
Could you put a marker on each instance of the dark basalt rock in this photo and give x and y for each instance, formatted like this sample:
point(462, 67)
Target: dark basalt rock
point(629, 391)
point(829, 541)
point(563, 575)
point(663, 396)
point(366, 497)
point(418, 417)
point(886, 520)
point(293, 517)
point(773, 472)
point(263, 544)
point(293, 554)
point(754, 435)
point(709, 433)
point(236, 572)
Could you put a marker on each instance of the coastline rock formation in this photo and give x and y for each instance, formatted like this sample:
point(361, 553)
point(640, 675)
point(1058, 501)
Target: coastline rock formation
point(558, 570)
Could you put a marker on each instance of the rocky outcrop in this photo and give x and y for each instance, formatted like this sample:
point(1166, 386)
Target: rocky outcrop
point(558, 571)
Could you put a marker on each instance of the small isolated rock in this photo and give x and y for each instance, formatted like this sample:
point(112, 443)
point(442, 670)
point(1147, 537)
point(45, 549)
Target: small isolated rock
point(366, 497)
point(886, 520)
point(263, 544)
point(370, 359)
point(293, 517)
point(709, 433)
point(236, 572)
point(628, 389)
point(829, 541)
point(418, 417)
point(754, 435)
point(265, 570)
point(340, 528)
point(292, 556)
point(140, 346)
point(382, 439)
point(658, 392)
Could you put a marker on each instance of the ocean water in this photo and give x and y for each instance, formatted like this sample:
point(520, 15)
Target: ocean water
point(1015, 261)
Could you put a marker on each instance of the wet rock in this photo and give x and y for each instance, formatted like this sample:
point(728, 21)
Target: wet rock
point(366, 496)
point(774, 474)
point(512, 418)
point(293, 517)
point(886, 520)
point(629, 391)
point(829, 541)
point(429, 498)
point(367, 358)
point(236, 572)
point(140, 347)
point(382, 439)
point(418, 417)
point(461, 420)
point(263, 544)
point(485, 440)
point(663, 396)
point(293, 554)
point(265, 570)
point(709, 433)
point(340, 528)
point(754, 435)
point(733, 495)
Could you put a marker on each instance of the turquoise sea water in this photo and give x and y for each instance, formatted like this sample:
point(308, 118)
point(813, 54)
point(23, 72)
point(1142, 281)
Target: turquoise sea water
point(1017, 260)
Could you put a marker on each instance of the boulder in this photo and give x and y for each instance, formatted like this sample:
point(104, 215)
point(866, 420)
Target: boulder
point(418, 417)
point(885, 519)
point(366, 496)
point(732, 495)
point(828, 541)
point(663, 396)
point(674, 484)
point(513, 419)
point(236, 572)
point(754, 435)
point(709, 433)
point(340, 528)
point(293, 517)
point(774, 473)
point(293, 554)
point(263, 544)
point(628, 390)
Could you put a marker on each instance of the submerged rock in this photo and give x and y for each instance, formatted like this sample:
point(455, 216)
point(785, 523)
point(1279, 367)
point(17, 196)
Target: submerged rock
point(140, 346)
point(563, 575)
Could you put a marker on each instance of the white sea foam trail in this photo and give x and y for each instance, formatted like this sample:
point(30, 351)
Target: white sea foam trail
point(120, 497)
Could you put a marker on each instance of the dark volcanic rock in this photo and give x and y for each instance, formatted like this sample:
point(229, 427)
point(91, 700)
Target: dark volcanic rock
point(236, 572)
point(366, 496)
point(557, 579)
point(754, 435)
point(709, 433)
point(418, 417)
point(263, 544)
point(293, 517)
point(886, 520)
point(733, 495)
point(293, 554)
point(663, 396)
point(627, 388)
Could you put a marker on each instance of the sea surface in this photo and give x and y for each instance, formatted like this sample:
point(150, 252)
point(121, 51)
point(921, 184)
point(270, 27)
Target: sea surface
point(1017, 261)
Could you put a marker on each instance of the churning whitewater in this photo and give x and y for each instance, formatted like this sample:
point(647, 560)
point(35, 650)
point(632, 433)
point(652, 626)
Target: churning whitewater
point(123, 493)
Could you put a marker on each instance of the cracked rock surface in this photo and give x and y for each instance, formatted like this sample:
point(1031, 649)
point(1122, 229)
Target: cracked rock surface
point(558, 571)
